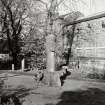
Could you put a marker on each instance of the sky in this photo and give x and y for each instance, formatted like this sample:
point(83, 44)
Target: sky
point(87, 7)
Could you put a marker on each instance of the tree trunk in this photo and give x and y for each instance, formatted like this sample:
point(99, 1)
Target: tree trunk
point(52, 77)
point(70, 41)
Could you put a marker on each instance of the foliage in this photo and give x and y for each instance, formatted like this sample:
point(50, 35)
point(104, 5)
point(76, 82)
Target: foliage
point(1, 84)
point(69, 35)
point(11, 16)
point(35, 54)
point(30, 21)
point(96, 75)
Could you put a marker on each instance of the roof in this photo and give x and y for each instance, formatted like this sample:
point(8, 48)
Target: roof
point(88, 18)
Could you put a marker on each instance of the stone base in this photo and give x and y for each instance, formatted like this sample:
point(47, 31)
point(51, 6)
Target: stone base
point(51, 79)
point(56, 78)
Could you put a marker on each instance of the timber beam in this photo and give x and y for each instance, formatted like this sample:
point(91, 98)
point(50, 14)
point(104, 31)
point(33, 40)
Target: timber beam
point(88, 18)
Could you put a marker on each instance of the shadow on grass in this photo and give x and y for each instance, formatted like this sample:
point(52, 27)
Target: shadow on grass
point(92, 96)
point(15, 95)
point(19, 91)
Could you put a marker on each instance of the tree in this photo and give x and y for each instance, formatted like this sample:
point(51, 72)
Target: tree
point(69, 35)
point(11, 16)
point(43, 19)
point(34, 38)
point(50, 15)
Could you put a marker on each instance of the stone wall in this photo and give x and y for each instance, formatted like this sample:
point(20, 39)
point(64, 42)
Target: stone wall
point(91, 51)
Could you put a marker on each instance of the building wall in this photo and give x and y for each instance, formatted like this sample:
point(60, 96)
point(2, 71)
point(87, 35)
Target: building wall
point(91, 47)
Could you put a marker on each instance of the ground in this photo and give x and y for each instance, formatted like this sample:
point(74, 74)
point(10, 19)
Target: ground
point(73, 92)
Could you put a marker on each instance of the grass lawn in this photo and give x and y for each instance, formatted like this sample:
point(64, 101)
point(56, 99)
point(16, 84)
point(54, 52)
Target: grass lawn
point(73, 92)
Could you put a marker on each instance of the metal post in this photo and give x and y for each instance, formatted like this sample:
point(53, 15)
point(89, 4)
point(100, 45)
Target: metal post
point(23, 64)
point(12, 67)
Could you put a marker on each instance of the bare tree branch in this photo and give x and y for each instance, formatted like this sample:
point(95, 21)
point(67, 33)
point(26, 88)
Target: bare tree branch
point(61, 1)
point(67, 6)
point(83, 2)
point(43, 3)
point(16, 10)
